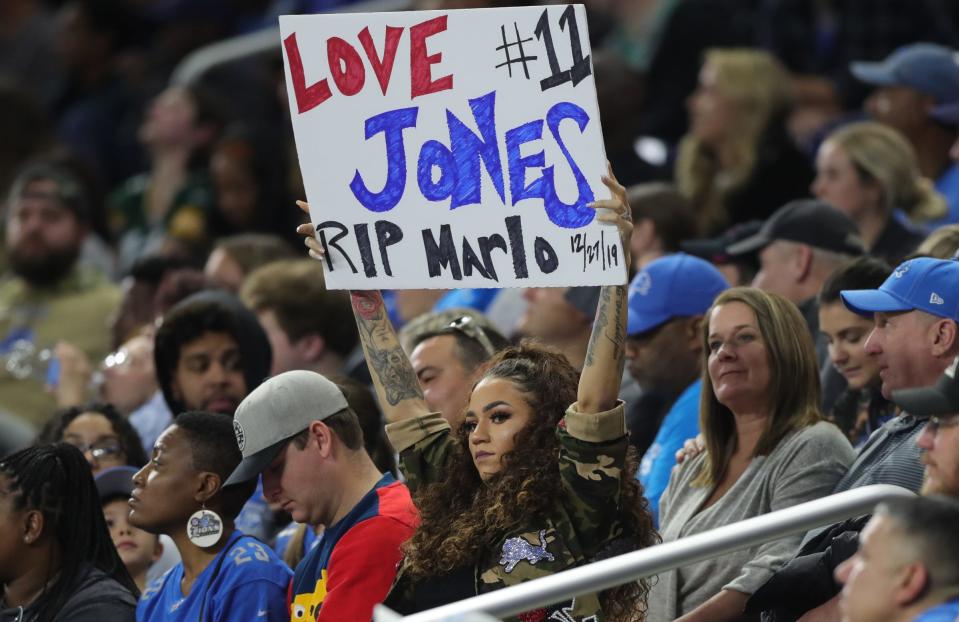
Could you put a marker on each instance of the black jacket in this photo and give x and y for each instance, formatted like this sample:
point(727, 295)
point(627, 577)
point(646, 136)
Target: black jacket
point(807, 581)
point(95, 597)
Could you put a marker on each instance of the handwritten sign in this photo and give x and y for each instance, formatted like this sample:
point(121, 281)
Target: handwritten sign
point(445, 149)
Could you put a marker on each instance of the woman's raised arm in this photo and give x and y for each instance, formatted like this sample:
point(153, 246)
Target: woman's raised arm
point(605, 356)
point(396, 385)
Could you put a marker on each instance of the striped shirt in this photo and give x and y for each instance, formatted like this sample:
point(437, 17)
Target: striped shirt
point(890, 456)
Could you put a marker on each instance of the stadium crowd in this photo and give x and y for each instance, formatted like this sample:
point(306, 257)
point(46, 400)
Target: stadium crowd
point(193, 427)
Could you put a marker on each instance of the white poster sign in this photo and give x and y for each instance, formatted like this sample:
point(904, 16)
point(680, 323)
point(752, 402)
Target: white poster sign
point(446, 149)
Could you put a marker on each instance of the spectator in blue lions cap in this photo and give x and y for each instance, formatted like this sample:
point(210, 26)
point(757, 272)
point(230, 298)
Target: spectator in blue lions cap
point(914, 339)
point(910, 83)
point(922, 292)
point(667, 301)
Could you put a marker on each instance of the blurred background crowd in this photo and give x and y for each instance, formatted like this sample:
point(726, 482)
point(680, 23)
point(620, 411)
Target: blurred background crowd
point(149, 265)
point(127, 191)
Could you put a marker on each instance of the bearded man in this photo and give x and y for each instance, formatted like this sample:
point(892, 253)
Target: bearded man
point(45, 296)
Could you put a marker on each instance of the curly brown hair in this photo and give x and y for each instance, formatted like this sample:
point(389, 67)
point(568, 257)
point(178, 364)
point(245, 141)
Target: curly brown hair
point(461, 517)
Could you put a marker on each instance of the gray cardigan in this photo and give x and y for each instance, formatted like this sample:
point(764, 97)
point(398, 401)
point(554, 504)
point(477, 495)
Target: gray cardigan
point(805, 465)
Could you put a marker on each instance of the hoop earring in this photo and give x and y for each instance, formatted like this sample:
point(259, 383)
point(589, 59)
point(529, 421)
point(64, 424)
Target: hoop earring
point(204, 528)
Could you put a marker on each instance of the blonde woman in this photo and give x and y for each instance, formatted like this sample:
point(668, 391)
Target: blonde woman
point(737, 161)
point(942, 243)
point(767, 448)
point(868, 170)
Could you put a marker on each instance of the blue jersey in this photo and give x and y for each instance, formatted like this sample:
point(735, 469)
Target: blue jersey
point(679, 424)
point(310, 539)
point(256, 517)
point(945, 612)
point(250, 584)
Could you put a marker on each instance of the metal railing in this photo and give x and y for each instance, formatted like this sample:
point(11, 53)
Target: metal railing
point(651, 561)
point(206, 58)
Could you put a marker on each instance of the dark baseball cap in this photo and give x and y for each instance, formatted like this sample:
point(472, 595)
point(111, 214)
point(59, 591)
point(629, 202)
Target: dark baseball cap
point(940, 399)
point(806, 221)
point(115, 482)
point(714, 249)
point(68, 189)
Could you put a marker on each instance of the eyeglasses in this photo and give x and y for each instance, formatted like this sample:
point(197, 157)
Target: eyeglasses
point(117, 359)
point(100, 450)
point(470, 328)
point(947, 421)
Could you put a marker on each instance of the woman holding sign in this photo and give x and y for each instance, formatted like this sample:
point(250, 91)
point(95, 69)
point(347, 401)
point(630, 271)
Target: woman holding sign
point(538, 478)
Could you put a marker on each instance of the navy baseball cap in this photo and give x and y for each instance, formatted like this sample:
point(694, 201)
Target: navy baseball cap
point(673, 286)
point(926, 67)
point(924, 283)
point(115, 482)
point(714, 249)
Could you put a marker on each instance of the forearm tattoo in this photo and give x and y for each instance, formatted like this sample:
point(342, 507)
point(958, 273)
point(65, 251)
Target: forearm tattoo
point(599, 324)
point(367, 306)
point(619, 332)
point(396, 376)
point(391, 365)
point(609, 297)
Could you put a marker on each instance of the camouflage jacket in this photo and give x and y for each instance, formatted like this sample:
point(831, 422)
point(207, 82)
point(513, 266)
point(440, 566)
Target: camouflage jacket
point(583, 519)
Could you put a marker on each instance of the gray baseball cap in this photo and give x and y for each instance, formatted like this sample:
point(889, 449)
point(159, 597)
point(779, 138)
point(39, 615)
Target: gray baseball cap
point(276, 411)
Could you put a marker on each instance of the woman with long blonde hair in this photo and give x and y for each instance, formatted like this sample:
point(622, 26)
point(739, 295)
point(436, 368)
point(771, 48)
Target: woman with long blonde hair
point(737, 162)
point(869, 170)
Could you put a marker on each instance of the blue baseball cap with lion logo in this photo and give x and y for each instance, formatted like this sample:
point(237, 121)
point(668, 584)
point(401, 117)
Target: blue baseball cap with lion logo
point(924, 283)
point(673, 286)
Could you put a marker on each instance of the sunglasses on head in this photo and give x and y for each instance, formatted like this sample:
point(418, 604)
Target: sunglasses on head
point(471, 329)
